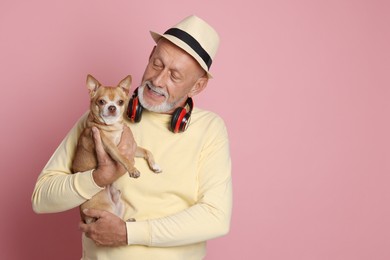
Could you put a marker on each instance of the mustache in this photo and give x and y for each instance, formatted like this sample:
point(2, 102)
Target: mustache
point(158, 90)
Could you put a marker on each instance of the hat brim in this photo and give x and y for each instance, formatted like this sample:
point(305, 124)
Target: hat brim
point(156, 37)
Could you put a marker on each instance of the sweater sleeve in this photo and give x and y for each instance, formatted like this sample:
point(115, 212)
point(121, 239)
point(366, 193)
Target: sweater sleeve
point(57, 189)
point(209, 217)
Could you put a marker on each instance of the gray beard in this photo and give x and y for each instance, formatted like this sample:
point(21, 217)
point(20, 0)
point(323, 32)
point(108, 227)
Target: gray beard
point(164, 107)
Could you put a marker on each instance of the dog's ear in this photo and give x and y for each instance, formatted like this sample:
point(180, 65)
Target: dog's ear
point(92, 84)
point(125, 84)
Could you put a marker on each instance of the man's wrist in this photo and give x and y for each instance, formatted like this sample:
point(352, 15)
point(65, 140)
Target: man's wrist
point(96, 175)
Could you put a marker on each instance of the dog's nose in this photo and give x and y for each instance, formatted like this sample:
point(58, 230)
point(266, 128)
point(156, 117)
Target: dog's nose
point(112, 108)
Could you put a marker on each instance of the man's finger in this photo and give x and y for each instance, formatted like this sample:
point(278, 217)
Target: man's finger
point(98, 143)
point(83, 227)
point(94, 213)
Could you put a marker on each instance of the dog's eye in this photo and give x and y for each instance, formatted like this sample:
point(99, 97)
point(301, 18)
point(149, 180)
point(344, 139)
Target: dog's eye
point(101, 102)
point(121, 102)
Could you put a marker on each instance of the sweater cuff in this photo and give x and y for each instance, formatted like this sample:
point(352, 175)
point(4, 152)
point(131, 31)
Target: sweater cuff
point(85, 184)
point(138, 233)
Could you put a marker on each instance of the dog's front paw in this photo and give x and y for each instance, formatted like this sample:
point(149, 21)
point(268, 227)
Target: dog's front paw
point(135, 173)
point(156, 168)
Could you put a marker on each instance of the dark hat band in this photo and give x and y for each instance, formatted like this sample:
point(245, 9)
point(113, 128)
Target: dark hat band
point(192, 42)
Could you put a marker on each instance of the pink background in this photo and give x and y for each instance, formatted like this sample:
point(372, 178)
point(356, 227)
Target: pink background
point(302, 85)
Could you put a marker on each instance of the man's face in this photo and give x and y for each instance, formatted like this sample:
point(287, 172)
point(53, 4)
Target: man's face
point(170, 77)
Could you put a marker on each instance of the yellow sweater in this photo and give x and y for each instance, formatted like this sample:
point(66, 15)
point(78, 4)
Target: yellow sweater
point(176, 211)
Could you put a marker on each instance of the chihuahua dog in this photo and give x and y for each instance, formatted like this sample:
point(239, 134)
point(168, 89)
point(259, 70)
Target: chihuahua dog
point(107, 110)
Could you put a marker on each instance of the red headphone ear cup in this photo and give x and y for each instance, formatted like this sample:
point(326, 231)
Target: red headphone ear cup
point(134, 110)
point(184, 122)
point(177, 120)
point(181, 117)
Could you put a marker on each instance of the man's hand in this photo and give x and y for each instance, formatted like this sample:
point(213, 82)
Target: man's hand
point(108, 230)
point(109, 170)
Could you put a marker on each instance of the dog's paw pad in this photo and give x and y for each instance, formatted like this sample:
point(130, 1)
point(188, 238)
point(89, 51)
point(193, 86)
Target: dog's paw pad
point(156, 168)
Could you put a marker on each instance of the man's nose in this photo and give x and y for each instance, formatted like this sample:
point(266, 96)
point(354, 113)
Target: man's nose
point(160, 79)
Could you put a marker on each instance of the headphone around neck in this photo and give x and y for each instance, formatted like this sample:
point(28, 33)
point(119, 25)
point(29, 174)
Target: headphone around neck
point(180, 117)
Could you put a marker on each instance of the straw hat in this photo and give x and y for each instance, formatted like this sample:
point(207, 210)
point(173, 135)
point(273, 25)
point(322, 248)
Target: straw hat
point(196, 37)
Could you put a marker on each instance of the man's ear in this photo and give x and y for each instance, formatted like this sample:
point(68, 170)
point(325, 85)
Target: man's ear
point(199, 86)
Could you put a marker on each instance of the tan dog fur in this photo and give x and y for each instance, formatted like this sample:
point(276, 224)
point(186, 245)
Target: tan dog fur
point(107, 110)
